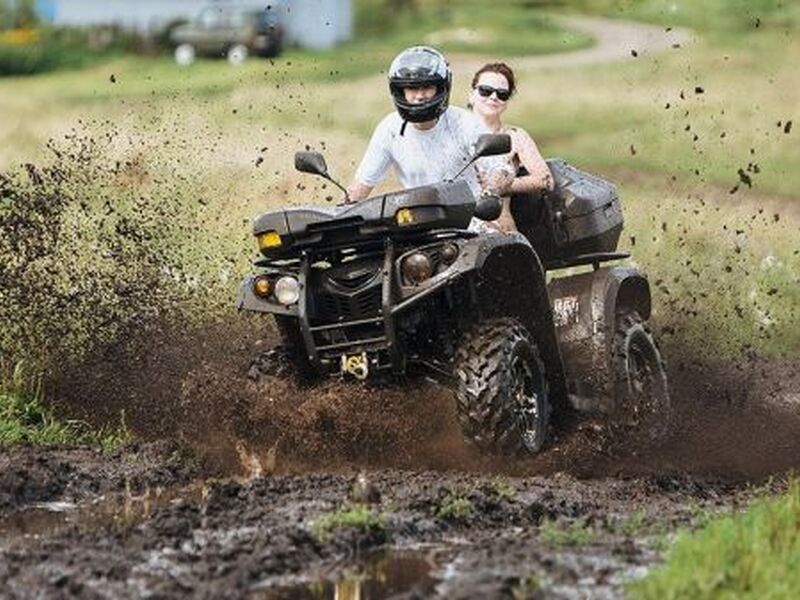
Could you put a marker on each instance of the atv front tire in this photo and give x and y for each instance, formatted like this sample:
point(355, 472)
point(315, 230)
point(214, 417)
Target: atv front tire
point(501, 391)
point(641, 390)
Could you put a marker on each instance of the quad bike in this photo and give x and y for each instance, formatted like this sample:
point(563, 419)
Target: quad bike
point(398, 283)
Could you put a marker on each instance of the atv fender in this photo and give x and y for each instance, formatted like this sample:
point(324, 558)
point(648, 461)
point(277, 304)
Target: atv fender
point(584, 309)
point(510, 281)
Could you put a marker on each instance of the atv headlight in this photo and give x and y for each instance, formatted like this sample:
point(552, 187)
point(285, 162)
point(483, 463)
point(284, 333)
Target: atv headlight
point(287, 290)
point(449, 253)
point(404, 216)
point(417, 267)
point(268, 240)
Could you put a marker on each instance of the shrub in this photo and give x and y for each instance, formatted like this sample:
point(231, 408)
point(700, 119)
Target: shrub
point(454, 507)
point(576, 533)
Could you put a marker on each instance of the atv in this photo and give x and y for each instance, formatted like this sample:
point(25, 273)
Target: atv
point(399, 283)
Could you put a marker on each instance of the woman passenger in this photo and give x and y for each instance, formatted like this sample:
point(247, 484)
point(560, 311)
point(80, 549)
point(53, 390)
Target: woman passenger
point(523, 170)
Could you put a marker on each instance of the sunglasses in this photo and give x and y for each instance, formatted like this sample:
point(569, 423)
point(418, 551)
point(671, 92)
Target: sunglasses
point(487, 90)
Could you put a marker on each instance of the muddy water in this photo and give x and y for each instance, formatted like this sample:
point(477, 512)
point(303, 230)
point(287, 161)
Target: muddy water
point(107, 512)
point(382, 575)
point(257, 538)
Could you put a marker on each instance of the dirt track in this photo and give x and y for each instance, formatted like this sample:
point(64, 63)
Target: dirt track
point(256, 539)
point(614, 39)
point(578, 521)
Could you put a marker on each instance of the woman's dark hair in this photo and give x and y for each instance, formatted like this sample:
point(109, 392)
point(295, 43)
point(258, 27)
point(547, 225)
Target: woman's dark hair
point(498, 67)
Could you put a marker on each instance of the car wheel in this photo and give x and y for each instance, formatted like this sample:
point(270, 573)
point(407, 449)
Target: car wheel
point(237, 54)
point(501, 392)
point(185, 54)
point(641, 390)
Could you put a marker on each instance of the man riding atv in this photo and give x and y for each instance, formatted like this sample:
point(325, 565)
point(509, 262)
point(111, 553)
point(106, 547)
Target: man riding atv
point(440, 139)
point(399, 283)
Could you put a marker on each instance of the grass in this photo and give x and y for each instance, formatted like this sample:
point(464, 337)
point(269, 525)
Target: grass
point(502, 489)
point(359, 518)
point(455, 506)
point(755, 554)
point(575, 533)
point(633, 525)
point(25, 419)
point(711, 16)
point(528, 587)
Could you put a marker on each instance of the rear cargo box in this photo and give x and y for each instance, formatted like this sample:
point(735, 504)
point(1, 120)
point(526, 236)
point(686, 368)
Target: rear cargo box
point(586, 212)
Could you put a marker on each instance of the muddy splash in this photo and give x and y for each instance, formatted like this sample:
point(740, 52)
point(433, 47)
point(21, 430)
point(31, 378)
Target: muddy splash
point(736, 422)
point(110, 276)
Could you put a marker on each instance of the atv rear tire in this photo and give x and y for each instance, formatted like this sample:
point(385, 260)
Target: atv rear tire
point(502, 392)
point(641, 391)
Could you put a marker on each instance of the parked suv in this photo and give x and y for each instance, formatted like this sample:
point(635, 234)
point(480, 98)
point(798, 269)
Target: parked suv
point(231, 31)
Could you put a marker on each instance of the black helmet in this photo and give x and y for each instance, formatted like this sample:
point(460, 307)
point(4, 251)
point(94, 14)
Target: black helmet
point(416, 67)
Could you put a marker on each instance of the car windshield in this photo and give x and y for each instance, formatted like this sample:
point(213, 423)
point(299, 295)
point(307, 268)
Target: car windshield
point(266, 17)
point(219, 16)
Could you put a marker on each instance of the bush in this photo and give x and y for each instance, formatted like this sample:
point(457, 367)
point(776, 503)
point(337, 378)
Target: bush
point(27, 52)
point(28, 59)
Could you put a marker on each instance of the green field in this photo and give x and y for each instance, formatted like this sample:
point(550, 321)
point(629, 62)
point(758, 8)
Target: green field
point(751, 555)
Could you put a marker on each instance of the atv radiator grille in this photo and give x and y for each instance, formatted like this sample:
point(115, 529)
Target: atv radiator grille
point(335, 306)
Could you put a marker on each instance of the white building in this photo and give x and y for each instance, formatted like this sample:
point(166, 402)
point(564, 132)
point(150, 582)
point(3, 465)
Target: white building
point(315, 24)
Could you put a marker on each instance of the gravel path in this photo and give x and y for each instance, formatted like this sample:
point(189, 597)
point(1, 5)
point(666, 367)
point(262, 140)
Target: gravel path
point(614, 40)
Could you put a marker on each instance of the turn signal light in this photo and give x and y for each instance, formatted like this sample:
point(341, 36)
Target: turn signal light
point(262, 287)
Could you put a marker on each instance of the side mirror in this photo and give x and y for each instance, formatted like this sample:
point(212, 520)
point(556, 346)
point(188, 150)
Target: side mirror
point(492, 144)
point(310, 162)
point(488, 208)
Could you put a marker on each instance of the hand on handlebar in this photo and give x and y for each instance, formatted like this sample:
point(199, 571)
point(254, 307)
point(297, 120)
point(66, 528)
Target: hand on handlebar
point(496, 182)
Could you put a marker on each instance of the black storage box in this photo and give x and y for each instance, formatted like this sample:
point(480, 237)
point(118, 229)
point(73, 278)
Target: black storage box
point(586, 211)
point(582, 215)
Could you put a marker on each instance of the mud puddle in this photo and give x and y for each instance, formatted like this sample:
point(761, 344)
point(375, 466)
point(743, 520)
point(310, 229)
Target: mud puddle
point(438, 535)
point(107, 512)
point(380, 575)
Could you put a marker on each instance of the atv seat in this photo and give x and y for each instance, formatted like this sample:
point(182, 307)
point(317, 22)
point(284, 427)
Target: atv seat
point(533, 216)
